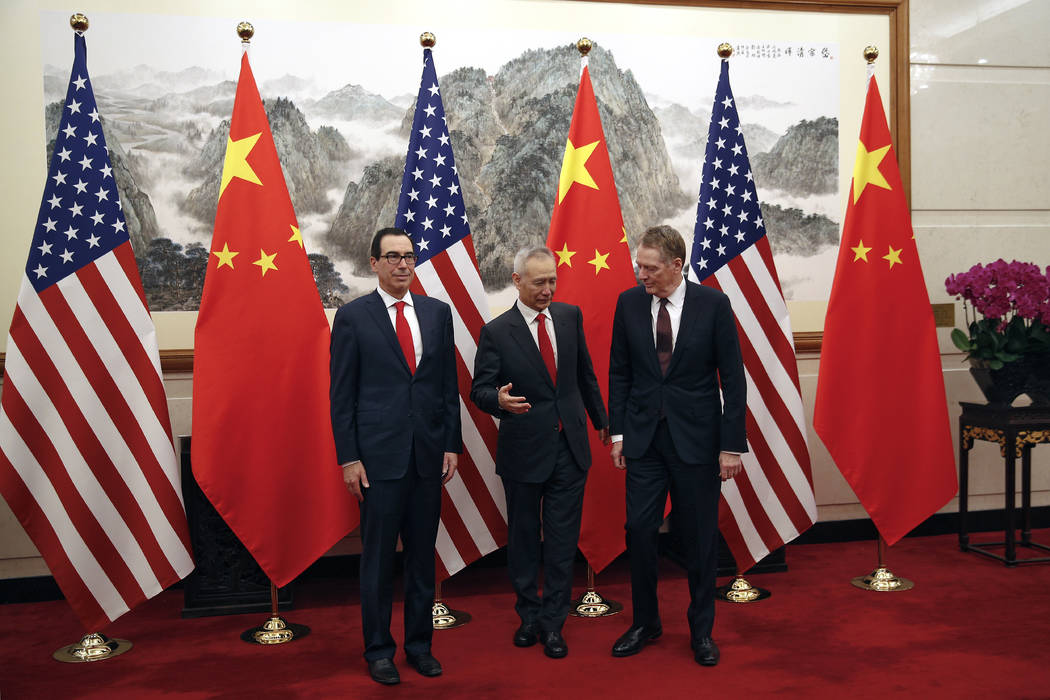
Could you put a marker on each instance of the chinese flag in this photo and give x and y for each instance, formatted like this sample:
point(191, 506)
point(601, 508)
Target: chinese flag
point(262, 445)
point(594, 266)
point(880, 407)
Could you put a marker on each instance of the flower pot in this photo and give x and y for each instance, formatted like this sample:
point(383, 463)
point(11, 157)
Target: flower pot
point(1029, 375)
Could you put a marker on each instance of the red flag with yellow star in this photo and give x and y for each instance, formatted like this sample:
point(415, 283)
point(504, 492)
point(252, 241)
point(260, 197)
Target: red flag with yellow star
point(262, 447)
point(880, 407)
point(594, 266)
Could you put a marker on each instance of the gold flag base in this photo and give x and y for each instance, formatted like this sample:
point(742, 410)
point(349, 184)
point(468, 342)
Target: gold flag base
point(91, 647)
point(276, 630)
point(882, 579)
point(740, 591)
point(445, 618)
point(591, 604)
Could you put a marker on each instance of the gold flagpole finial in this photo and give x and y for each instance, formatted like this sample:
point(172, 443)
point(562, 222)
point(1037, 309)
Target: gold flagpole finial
point(245, 31)
point(871, 53)
point(427, 40)
point(79, 22)
point(584, 46)
point(724, 50)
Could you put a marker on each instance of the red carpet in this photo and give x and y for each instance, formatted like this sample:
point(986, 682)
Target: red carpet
point(971, 628)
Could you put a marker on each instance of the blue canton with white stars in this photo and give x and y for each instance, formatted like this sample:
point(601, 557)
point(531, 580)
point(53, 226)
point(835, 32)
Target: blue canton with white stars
point(728, 217)
point(80, 217)
point(430, 208)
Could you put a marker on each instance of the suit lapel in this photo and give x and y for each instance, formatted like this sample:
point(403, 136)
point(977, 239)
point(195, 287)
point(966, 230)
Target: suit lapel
point(428, 329)
point(563, 333)
point(381, 317)
point(523, 337)
point(645, 313)
point(690, 312)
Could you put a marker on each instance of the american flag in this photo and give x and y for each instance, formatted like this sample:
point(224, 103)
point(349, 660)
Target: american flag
point(771, 502)
point(430, 208)
point(87, 461)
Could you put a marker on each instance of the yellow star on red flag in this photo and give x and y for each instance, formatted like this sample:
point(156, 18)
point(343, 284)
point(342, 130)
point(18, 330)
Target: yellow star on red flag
point(225, 256)
point(860, 252)
point(565, 255)
point(265, 262)
point(894, 256)
point(599, 262)
point(574, 168)
point(236, 162)
point(296, 235)
point(866, 170)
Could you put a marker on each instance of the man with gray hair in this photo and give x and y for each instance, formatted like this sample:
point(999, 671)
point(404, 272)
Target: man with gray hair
point(533, 372)
point(674, 345)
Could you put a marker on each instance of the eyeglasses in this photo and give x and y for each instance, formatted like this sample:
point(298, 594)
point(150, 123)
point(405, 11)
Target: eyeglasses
point(396, 258)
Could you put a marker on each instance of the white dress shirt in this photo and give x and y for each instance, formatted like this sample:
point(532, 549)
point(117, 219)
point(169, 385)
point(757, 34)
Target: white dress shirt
point(675, 300)
point(530, 315)
point(410, 316)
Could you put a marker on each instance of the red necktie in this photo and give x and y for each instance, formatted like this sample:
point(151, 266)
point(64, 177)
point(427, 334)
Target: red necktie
point(664, 339)
point(404, 336)
point(546, 349)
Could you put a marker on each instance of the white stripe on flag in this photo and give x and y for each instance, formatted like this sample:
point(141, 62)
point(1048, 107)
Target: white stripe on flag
point(138, 316)
point(102, 426)
point(80, 474)
point(741, 516)
point(479, 453)
point(116, 364)
point(774, 369)
point(446, 549)
point(464, 502)
point(76, 550)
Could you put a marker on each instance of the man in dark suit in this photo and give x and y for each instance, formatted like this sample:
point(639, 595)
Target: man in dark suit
point(537, 350)
point(395, 415)
point(673, 342)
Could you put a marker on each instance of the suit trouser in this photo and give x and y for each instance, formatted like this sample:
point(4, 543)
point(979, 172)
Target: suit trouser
point(695, 490)
point(559, 500)
point(409, 507)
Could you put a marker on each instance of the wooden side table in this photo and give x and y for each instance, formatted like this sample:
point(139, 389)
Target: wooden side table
point(1017, 430)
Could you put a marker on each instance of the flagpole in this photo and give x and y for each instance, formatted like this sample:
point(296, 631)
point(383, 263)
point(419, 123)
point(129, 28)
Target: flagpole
point(94, 646)
point(881, 579)
point(591, 603)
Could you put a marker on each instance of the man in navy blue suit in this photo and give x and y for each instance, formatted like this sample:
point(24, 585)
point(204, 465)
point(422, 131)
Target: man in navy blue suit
point(395, 416)
point(533, 372)
point(673, 344)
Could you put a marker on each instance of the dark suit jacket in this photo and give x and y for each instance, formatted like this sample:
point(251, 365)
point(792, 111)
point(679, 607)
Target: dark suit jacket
point(706, 348)
point(507, 353)
point(380, 409)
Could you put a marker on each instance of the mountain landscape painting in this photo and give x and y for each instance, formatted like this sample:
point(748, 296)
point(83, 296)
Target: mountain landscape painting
point(341, 127)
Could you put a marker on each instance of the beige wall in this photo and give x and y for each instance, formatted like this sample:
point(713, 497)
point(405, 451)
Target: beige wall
point(980, 105)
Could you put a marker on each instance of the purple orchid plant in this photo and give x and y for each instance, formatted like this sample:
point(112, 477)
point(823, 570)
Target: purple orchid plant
point(1007, 307)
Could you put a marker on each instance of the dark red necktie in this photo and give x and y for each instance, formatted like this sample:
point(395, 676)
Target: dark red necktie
point(546, 349)
point(404, 336)
point(664, 340)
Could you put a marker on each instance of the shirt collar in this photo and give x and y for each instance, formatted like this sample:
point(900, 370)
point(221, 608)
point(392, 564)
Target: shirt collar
point(389, 300)
point(675, 298)
point(529, 313)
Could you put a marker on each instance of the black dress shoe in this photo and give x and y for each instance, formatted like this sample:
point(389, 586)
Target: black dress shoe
point(425, 664)
point(554, 644)
point(634, 639)
point(706, 652)
point(384, 671)
point(525, 636)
